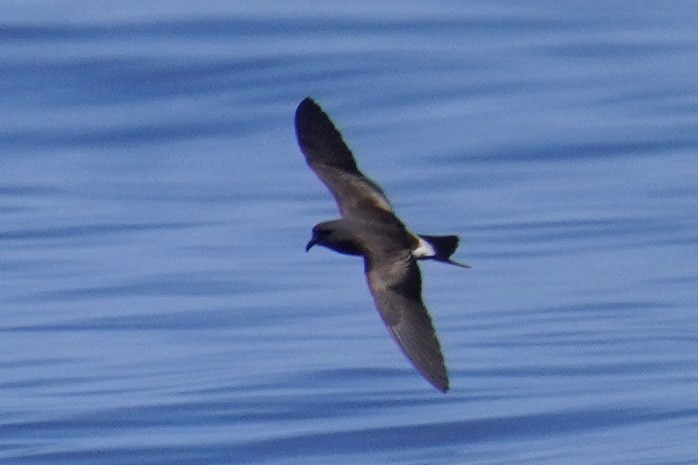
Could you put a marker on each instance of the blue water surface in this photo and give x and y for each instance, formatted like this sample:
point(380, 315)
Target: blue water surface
point(156, 302)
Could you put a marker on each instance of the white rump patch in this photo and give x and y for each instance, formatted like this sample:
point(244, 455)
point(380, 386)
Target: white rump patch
point(423, 249)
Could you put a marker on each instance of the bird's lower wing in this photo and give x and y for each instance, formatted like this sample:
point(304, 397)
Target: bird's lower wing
point(396, 288)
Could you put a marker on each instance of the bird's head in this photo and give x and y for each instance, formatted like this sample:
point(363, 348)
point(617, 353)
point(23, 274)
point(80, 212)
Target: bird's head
point(322, 235)
point(334, 235)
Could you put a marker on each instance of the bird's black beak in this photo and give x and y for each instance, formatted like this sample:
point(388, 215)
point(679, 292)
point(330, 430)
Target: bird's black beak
point(311, 243)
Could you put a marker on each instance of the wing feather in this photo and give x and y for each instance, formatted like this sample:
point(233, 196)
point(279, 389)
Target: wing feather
point(395, 283)
point(329, 157)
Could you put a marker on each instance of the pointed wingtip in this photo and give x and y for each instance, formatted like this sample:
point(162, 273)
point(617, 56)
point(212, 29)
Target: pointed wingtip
point(441, 385)
point(427, 359)
point(439, 381)
point(307, 114)
point(307, 102)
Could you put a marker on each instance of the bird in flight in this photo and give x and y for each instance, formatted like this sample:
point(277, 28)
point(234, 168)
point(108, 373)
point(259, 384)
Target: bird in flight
point(368, 227)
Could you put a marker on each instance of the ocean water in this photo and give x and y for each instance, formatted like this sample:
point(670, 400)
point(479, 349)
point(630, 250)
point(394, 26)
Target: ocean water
point(156, 302)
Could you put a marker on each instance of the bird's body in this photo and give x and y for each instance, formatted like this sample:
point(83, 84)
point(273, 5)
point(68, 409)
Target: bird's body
point(369, 228)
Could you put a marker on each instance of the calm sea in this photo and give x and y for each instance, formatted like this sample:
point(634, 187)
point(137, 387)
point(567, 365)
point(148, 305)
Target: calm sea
point(156, 302)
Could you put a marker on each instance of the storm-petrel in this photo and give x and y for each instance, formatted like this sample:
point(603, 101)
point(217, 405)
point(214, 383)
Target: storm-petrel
point(369, 228)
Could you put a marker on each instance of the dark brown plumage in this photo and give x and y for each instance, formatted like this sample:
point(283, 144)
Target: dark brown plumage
point(369, 228)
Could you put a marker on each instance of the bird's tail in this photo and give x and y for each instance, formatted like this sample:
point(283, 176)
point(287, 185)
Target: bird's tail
point(443, 246)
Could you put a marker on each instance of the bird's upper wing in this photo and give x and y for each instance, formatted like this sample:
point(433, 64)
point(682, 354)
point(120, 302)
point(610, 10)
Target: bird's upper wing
point(396, 286)
point(328, 155)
